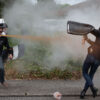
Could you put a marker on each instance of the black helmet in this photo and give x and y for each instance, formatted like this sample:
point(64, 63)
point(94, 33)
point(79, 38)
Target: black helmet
point(3, 25)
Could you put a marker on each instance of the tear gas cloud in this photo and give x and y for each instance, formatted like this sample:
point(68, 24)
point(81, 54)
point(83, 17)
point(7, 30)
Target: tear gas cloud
point(37, 20)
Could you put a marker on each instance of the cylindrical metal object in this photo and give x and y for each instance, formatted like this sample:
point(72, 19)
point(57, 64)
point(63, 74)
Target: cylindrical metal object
point(77, 28)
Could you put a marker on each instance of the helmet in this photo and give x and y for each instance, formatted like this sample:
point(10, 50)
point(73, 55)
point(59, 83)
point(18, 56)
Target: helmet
point(3, 24)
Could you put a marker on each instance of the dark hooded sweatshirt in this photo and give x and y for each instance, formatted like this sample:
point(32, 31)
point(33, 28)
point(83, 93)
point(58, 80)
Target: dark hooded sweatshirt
point(4, 42)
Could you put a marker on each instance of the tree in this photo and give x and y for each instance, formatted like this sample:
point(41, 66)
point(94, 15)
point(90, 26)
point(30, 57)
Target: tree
point(1, 7)
point(4, 3)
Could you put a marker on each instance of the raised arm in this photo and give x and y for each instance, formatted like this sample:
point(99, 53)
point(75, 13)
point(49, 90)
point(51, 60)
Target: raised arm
point(88, 40)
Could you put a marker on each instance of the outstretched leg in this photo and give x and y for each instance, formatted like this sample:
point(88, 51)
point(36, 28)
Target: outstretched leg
point(85, 69)
point(92, 73)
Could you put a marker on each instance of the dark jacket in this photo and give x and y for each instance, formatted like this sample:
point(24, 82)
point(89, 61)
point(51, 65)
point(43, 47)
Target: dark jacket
point(4, 43)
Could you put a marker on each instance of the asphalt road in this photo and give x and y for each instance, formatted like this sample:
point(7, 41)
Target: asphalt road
point(44, 89)
point(46, 98)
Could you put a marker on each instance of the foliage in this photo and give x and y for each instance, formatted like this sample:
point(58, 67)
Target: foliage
point(36, 71)
point(32, 63)
point(4, 3)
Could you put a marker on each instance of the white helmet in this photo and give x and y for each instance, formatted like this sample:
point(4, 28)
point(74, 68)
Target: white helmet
point(2, 20)
point(3, 24)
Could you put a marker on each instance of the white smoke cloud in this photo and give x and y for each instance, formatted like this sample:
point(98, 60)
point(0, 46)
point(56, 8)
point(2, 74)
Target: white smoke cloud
point(24, 18)
point(71, 2)
point(88, 15)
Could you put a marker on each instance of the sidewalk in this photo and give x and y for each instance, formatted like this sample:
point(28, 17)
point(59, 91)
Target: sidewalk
point(47, 87)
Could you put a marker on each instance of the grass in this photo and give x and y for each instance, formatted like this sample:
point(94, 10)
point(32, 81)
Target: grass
point(26, 68)
point(35, 71)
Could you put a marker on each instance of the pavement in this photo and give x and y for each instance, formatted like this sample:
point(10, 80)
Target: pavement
point(44, 89)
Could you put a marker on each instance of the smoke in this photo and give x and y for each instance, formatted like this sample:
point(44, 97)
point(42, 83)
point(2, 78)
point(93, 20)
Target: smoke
point(85, 14)
point(88, 15)
point(41, 20)
point(23, 17)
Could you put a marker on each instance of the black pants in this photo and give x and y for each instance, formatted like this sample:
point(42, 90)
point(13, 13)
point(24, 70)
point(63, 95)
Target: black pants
point(1, 70)
point(89, 68)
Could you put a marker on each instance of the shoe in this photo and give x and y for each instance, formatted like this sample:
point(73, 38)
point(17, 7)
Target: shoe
point(94, 91)
point(82, 95)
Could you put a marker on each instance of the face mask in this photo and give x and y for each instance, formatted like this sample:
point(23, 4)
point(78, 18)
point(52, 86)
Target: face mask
point(3, 33)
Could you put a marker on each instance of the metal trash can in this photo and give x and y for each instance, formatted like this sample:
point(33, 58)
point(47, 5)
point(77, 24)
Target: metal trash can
point(77, 28)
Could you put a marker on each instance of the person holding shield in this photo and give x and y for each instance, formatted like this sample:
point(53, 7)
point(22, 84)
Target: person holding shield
point(92, 60)
point(91, 63)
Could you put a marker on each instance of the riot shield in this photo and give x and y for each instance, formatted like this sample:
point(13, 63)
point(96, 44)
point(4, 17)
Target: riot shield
point(77, 28)
point(18, 51)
